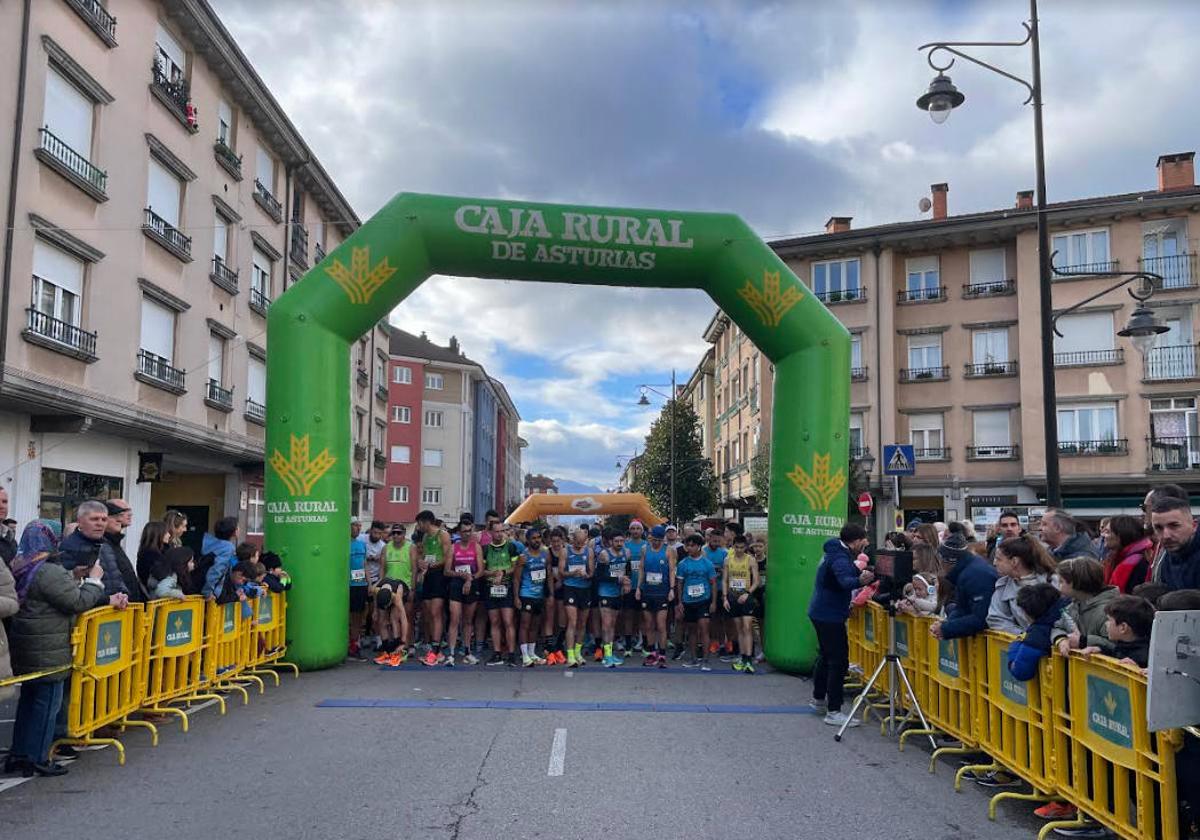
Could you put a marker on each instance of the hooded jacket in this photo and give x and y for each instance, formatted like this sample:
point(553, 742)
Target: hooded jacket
point(974, 581)
point(1025, 653)
point(1131, 566)
point(77, 549)
point(1004, 614)
point(836, 578)
point(223, 558)
point(1181, 569)
point(1090, 618)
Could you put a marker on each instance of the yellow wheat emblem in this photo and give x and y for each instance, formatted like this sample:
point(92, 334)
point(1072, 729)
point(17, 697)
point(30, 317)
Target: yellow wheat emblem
point(361, 280)
point(300, 472)
point(818, 487)
point(768, 303)
point(1110, 703)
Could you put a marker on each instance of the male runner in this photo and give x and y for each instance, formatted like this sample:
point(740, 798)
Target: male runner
point(392, 608)
point(435, 548)
point(532, 570)
point(696, 588)
point(654, 594)
point(556, 618)
point(575, 567)
point(497, 585)
point(462, 568)
point(715, 553)
point(592, 643)
point(759, 550)
point(635, 546)
point(376, 542)
point(358, 588)
point(741, 582)
point(612, 570)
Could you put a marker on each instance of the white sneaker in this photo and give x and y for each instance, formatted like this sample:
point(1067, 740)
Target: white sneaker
point(838, 718)
point(819, 705)
point(470, 659)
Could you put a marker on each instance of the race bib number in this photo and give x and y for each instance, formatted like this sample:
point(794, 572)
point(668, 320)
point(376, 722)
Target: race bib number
point(737, 583)
point(537, 575)
point(695, 590)
point(462, 569)
point(430, 560)
point(358, 575)
point(654, 577)
point(616, 570)
point(577, 567)
point(636, 565)
point(499, 590)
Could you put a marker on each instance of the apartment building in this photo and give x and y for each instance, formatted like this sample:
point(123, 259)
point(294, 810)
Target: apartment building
point(509, 472)
point(158, 199)
point(945, 318)
point(698, 393)
point(448, 437)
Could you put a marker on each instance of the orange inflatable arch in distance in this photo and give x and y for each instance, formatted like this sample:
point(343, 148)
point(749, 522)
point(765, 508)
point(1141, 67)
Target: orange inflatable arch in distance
point(539, 505)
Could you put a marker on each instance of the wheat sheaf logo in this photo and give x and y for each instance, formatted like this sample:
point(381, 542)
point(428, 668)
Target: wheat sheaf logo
point(1110, 703)
point(299, 472)
point(819, 486)
point(361, 280)
point(178, 622)
point(768, 303)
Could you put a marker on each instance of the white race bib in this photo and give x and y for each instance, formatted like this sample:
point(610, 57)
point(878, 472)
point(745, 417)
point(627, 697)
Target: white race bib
point(499, 590)
point(695, 590)
point(737, 583)
point(654, 577)
point(430, 560)
point(537, 575)
point(358, 574)
point(616, 570)
point(461, 569)
point(636, 565)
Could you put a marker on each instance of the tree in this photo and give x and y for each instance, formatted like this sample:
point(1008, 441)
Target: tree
point(618, 522)
point(695, 481)
point(760, 474)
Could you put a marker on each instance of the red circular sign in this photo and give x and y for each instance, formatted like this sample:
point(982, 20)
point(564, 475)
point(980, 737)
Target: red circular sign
point(865, 504)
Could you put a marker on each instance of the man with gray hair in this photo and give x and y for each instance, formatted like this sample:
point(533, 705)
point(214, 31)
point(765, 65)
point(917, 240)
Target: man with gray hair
point(1061, 533)
point(87, 542)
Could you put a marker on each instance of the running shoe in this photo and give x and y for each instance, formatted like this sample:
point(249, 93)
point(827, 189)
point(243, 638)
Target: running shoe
point(573, 662)
point(729, 657)
point(678, 653)
point(537, 660)
point(997, 779)
point(1056, 811)
point(842, 719)
point(449, 663)
point(704, 666)
point(497, 659)
point(662, 661)
point(599, 654)
point(650, 659)
point(511, 661)
point(396, 659)
point(382, 659)
point(738, 664)
point(1088, 829)
point(748, 668)
point(612, 661)
point(713, 647)
point(638, 648)
point(819, 706)
point(527, 661)
point(470, 659)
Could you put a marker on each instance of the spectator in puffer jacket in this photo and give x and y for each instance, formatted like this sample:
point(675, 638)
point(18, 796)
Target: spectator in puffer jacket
point(1128, 554)
point(1021, 562)
point(974, 582)
point(222, 545)
point(1044, 605)
point(8, 607)
point(87, 542)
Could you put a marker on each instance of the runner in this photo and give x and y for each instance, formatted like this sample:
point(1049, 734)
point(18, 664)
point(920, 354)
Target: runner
point(655, 594)
point(592, 644)
point(555, 615)
point(376, 542)
point(498, 591)
point(435, 548)
point(462, 570)
point(393, 599)
point(696, 581)
point(612, 570)
point(358, 589)
point(741, 582)
point(759, 550)
point(630, 607)
point(715, 552)
point(575, 567)
point(531, 570)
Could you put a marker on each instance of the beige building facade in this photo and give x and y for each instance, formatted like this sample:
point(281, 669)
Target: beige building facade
point(162, 199)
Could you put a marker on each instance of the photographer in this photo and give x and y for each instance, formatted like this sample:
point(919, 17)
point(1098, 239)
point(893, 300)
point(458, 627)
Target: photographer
point(829, 611)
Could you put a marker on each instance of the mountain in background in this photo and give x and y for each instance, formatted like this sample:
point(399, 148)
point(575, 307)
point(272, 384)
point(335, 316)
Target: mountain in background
point(565, 485)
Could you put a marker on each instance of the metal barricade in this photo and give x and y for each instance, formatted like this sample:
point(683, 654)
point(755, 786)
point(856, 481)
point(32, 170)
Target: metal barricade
point(175, 657)
point(226, 649)
point(108, 676)
point(270, 636)
point(948, 672)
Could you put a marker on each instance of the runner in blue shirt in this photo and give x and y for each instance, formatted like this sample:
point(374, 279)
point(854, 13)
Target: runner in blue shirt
point(715, 552)
point(532, 574)
point(696, 587)
point(630, 608)
point(654, 593)
point(358, 588)
point(612, 569)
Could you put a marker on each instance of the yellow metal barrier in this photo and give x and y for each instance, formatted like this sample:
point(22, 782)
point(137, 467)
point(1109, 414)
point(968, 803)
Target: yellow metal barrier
point(228, 639)
point(1107, 762)
point(947, 673)
point(854, 636)
point(174, 669)
point(108, 678)
point(270, 636)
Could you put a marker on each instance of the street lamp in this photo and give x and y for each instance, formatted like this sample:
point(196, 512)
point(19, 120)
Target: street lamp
point(643, 400)
point(941, 98)
point(1142, 328)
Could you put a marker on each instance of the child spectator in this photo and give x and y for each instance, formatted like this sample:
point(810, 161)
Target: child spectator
point(1130, 619)
point(172, 575)
point(1151, 591)
point(244, 587)
point(277, 578)
point(1043, 604)
point(246, 553)
point(1082, 580)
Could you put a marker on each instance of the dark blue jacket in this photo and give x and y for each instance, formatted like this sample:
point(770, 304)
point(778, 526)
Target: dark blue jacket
point(1025, 653)
point(837, 578)
point(974, 581)
point(1181, 570)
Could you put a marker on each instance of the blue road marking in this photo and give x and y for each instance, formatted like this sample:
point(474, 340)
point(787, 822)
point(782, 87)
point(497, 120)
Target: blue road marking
point(552, 706)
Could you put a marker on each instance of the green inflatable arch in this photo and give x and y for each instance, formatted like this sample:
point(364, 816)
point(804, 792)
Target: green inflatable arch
point(313, 324)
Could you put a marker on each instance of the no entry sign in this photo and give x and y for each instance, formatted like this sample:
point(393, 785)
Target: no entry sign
point(865, 504)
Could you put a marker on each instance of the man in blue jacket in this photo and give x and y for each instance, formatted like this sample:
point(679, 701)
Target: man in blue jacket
point(221, 544)
point(837, 577)
point(1176, 532)
point(974, 581)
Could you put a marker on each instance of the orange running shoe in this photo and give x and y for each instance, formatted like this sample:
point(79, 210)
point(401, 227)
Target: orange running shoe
point(396, 658)
point(382, 659)
point(713, 647)
point(430, 658)
point(599, 657)
point(1056, 811)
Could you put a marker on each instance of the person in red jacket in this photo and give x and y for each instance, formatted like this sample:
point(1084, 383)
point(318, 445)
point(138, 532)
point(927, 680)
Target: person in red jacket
point(1129, 554)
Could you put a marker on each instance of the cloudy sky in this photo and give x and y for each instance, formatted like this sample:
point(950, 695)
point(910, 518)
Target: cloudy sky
point(786, 113)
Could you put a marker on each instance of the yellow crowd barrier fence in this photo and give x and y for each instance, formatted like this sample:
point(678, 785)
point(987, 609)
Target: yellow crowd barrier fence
point(174, 670)
point(1076, 732)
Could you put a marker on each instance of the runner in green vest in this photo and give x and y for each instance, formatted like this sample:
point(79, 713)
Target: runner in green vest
point(393, 601)
point(498, 559)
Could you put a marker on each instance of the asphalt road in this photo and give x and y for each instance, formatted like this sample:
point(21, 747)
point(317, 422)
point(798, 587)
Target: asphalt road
point(642, 753)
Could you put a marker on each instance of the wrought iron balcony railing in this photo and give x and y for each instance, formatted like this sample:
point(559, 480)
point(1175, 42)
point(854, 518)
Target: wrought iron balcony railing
point(1170, 364)
point(1174, 454)
point(1004, 452)
point(41, 328)
point(995, 288)
point(223, 275)
point(831, 296)
point(160, 371)
point(925, 374)
point(1178, 271)
point(1107, 446)
point(72, 164)
point(255, 411)
point(267, 201)
point(167, 235)
point(975, 371)
point(1090, 357)
point(219, 397)
point(921, 295)
point(259, 301)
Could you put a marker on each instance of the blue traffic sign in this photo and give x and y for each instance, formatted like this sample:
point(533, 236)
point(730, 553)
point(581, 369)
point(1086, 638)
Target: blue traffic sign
point(899, 459)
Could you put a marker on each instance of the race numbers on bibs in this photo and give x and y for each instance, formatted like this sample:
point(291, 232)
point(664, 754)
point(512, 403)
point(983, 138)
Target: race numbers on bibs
point(499, 590)
point(654, 577)
point(358, 574)
point(695, 590)
point(537, 575)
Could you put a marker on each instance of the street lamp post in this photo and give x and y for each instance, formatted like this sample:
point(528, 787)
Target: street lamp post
point(671, 401)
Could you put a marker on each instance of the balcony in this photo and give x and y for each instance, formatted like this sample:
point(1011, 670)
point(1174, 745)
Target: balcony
point(259, 301)
point(230, 160)
point(380, 458)
point(921, 295)
point(835, 296)
point(1066, 272)
point(223, 275)
point(59, 336)
point(381, 393)
point(1174, 454)
point(1170, 364)
point(1090, 358)
point(1109, 446)
point(175, 97)
point(217, 397)
point(168, 236)
point(362, 376)
point(157, 371)
point(932, 453)
point(1005, 452)
point(299, 249)
point(71, 165)
point(98, 19)
point(256, 412)
point(990, 369)
point(858, 374)
point(269, 203)
point(318, 253)
point(925, 374)
point(360, 452)
point(1178, 271)
point(998, 288)
point(859, 453)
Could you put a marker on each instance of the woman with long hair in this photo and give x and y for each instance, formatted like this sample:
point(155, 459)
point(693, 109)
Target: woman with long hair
point(177, 525)
point(928, 535)
point(156, 539)
point(1128, 553)
point(1021, 562)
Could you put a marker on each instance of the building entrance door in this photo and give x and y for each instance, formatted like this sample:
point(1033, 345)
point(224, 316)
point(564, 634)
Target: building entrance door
point(198, 525)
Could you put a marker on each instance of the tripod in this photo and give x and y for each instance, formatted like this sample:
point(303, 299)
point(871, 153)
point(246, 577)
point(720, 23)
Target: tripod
point(896, 678)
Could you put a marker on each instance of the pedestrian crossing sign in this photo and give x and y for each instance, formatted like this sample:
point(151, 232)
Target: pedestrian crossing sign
point(899, 459)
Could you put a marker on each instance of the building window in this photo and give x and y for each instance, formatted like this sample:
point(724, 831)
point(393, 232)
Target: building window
point(57, 283)
point(925, 352)
point(224, 123)
point(170, 55)
point(1087, 426)
point(433, 419)
point(924, 280)
point(435, 381)
point(925, 434)
point(431, 495)
point(1164, 251)
point(1085, 250)
point(63, 490)
point(856, 434)
point(1174, 434)
point(264, 170)
point(69, 116)
point(987, 267)
point(989, 346)
point(856, 351)
point(261, 275)
point(993, 437)
point(256, 504)
point(221, 238)
point(402, 375)
point(1087, 337)
point(256, 381)
point(379, 375)
point(401, 455)
point(432, 458)
point(377, 440)
point(216, 359)
point(401, 414)
point(836, 280)
point(158, 331)
point(164, 193)
point(399, 495)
